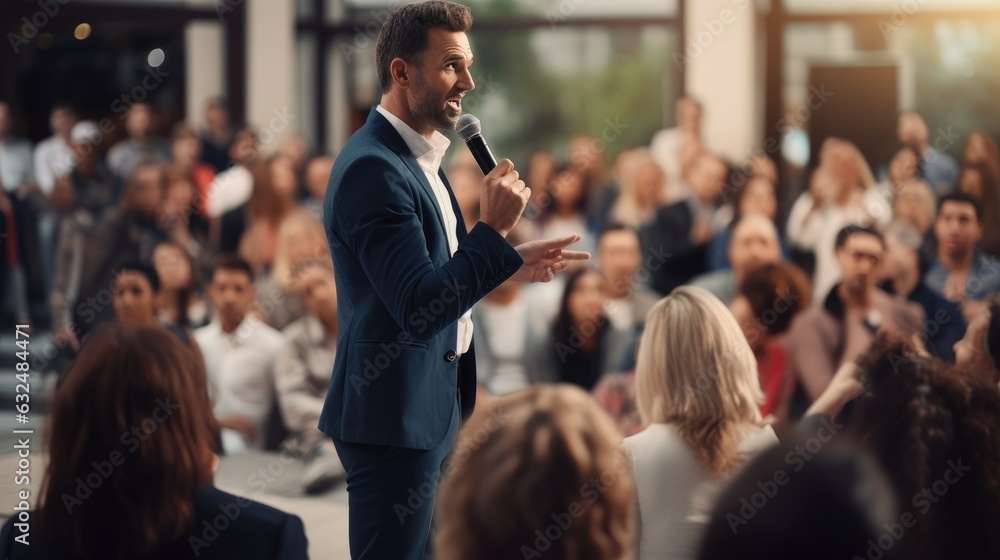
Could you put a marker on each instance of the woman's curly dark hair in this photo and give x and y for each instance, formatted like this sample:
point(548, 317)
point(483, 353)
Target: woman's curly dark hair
point(934, 427)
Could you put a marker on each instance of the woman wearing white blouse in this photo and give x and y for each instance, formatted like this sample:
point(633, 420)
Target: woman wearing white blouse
point(697, 389)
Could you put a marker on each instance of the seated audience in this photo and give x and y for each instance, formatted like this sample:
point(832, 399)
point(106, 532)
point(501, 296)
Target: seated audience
point(553, 461)
point(698, 389)
point(936, 167)
point(156, 494)
point(317, 177)
point(757, 196)
point(840, 193)
point(583, 344)
point(302, 373)
point(754, 243)
point(301, 238)
point(767, 301)
point(505, 335)
point(901, 276)
point(619, 257)
point(539, 174)
point(916, 205)
point(179, 301)
point(142, 144)
point(834, 505)
point(670, 146)
point(565, 214)
point(932, 428)
point(233, 185)
point(981, 181)
point(681, 232)
point(218, 135)
point(92, 192)
point(134, 296)
point(979, 348)
point(841, 326)
point(961, 272)
point(128, 234)
point(641, 194)
point(239, 352)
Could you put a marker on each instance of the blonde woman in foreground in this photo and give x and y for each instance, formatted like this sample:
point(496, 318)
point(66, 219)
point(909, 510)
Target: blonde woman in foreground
point(697, 388)
point(537, 474)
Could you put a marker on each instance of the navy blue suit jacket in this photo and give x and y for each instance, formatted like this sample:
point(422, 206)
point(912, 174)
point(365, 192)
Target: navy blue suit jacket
point(400, 293)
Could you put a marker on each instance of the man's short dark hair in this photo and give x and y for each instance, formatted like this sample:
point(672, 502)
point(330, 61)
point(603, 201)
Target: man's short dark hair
point(404, 33)
point(962, 198)
point(232, 262)
point(615, 226)
point(850, 231)
point(144, 269)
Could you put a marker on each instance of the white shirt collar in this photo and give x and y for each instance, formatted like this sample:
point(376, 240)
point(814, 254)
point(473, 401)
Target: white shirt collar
point(429, 153)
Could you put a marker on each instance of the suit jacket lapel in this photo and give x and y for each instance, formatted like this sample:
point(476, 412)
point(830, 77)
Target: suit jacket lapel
point(384, 129)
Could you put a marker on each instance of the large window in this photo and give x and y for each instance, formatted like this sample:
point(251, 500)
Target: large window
point(544, 71)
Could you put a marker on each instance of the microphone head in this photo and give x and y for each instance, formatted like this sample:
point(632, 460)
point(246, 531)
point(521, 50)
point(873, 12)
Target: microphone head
point(468, 127)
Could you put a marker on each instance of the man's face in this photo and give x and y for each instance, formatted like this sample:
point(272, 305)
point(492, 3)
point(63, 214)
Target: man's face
point(707, 177)
point(440, 78)
point(911, 130)
point(139, 121)
point(859, 259)
point(146, 189)
point(957, 228)
point(754, 243)
point(232, 294)
point(619, 255)
point(216, 116)
point(61, 121)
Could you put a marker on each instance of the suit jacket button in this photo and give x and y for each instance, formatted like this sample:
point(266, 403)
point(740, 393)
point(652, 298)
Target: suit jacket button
point(450, 356)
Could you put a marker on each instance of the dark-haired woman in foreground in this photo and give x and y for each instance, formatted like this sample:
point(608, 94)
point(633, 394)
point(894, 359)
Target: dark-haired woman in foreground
point(933, 429)
point(133, 420)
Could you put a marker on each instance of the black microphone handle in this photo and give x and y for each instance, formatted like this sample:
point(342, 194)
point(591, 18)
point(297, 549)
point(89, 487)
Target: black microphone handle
point(481, 151)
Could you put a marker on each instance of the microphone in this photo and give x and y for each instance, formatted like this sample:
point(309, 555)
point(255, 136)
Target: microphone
point(470, 130)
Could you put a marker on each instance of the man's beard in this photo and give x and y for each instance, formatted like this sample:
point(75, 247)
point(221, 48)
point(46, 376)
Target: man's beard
point(426, 108)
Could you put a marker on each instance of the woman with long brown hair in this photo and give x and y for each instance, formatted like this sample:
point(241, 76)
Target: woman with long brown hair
point(537, 474)
point(131, 441)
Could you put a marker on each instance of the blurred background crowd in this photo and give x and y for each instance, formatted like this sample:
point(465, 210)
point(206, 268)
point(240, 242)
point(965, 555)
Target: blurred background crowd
point(797, 271)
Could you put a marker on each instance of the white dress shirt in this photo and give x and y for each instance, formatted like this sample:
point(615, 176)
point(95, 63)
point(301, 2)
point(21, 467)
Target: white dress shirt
point(240, 372)
point(229, 190)
point(429, 154)
point(15, 163)
point(53, 159)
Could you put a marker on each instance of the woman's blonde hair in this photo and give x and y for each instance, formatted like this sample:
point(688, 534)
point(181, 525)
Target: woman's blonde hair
point(695, 370)
point(284, 266)
point(626, 208)
point(546, 461)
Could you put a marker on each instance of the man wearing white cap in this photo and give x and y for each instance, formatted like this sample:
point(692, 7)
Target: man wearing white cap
point(88, 192)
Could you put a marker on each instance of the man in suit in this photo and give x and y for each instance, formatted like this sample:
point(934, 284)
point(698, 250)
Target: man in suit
point(408, 274)
point(682, 230)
